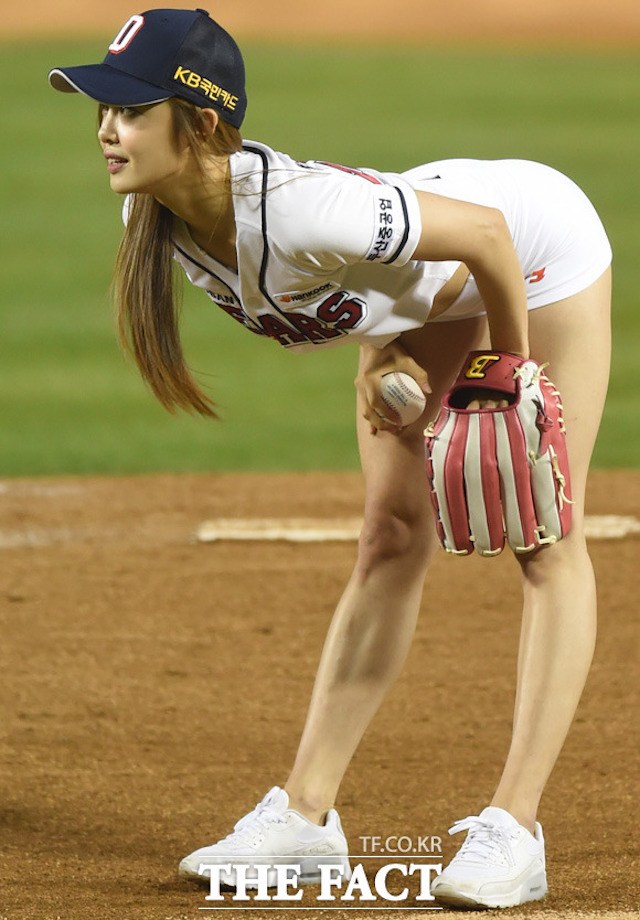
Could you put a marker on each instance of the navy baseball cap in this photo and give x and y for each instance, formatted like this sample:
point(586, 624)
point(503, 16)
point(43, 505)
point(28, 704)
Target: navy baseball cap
point(160, 54)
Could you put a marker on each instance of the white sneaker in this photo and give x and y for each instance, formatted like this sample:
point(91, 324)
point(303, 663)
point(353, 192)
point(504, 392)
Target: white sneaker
point(500, 864)
point(274, 834)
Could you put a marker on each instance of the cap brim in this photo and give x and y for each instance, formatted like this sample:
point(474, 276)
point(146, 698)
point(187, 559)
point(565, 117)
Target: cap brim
point(106, 84)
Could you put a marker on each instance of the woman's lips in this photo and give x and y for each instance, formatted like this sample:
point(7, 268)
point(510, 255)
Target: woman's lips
point(115, 164)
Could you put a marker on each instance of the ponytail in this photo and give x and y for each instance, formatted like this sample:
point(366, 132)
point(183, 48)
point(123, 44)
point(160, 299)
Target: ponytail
point(145, 291)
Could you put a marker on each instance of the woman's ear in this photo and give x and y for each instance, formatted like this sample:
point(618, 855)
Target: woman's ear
point(210, 119)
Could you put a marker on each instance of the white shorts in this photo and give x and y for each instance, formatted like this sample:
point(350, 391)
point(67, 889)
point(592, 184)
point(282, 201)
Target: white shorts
point(561, 243)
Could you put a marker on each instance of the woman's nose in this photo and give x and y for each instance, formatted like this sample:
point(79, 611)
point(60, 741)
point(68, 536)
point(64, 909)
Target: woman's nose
point(107, 129)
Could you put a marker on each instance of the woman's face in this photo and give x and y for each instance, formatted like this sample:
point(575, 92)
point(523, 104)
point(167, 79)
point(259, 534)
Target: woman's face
point(140, 148)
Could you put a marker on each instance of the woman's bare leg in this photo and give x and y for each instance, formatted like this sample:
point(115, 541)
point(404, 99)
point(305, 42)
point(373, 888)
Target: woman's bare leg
point(559, 616)
point(375, 620)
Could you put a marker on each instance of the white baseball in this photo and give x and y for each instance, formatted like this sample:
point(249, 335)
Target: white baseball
point(402, 394)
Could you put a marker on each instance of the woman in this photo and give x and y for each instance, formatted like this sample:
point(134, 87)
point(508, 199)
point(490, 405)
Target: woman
point(418, 269)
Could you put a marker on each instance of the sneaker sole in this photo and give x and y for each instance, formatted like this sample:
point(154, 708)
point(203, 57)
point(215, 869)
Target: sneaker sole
point(534, 889)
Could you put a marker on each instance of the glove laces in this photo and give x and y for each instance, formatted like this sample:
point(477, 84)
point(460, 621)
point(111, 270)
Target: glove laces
point(486, 841)
point(560, 479)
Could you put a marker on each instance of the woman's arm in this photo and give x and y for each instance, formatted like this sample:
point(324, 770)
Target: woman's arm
point(480, 238)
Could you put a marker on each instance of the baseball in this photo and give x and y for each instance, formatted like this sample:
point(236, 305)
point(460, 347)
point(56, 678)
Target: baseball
point(402, 394)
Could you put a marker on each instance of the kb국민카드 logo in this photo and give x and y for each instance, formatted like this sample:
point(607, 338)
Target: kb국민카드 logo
point(388, 872)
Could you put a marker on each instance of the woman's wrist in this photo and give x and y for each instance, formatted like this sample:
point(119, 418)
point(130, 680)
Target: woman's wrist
point(520, 352)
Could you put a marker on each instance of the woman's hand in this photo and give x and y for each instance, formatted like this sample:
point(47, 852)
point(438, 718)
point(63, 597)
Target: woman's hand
point(374, 364)
point(489, 400)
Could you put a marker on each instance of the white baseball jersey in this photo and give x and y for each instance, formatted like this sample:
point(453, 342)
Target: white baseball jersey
point(325, 251)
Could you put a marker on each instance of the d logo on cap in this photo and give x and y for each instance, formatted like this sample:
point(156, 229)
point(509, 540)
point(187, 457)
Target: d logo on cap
point(126, 34)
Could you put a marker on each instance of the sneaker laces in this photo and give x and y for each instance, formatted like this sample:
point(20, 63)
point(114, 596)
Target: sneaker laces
point(264, 814)
point(486, 841)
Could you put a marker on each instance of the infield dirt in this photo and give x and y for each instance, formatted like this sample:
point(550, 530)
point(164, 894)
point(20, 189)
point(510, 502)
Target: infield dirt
point(154, 688)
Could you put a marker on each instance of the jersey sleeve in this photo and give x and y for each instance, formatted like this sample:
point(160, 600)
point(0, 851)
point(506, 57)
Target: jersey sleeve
point(334, 216)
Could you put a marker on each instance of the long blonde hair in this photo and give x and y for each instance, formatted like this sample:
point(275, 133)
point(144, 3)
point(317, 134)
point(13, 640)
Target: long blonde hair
point(145, 288)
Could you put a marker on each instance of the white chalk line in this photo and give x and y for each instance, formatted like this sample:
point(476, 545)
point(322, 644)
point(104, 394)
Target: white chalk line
point(313, 530)
point(290, 530)
point(36, 537)
point(44, 490)
point(293, 530)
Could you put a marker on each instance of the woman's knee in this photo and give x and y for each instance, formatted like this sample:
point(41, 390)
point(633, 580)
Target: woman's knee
point(567, 559)
point(403, 535)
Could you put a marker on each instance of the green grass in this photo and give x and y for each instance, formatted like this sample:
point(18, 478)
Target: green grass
point(69, 401)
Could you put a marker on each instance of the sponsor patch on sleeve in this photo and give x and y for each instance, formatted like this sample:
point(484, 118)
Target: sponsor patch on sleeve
point(390, 227)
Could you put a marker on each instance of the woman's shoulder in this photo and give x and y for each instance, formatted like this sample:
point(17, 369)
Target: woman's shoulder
point(274, 171)
point(321, 213)
point(288, 197)
point(260, 167)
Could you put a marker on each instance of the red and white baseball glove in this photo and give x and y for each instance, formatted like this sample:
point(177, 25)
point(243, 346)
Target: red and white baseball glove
point(499, 472)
